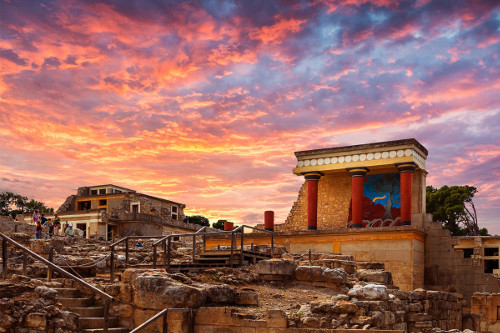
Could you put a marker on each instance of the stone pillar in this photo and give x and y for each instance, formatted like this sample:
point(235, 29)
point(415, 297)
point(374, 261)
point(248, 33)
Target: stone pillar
point(228, 226)
point(269, 220)
point(312, 179)
point(357, 175)
point(406, 184)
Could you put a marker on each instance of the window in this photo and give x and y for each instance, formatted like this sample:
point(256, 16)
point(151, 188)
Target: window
point(468, 253)
point(103, 202)
point(491, 251)
point(135, 208)
point(93, 192)
point(83, 205)
point(490, 265)
point(174, 212)
point(102, 191)
point(118, 191)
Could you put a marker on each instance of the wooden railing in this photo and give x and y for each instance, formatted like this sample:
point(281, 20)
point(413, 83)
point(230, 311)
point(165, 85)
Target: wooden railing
point(166, 242)
point(51, 267)
point(164, 313)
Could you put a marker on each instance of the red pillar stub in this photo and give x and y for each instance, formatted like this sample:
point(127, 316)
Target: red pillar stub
point(406, 187)
point(228, 226)
point(312, 179)
point(269, 220)
point(357, 175)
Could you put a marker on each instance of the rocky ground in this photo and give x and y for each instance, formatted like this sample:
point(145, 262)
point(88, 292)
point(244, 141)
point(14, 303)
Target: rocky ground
point(312, 291)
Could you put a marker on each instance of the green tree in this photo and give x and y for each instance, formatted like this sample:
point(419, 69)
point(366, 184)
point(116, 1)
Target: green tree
point(199, 219)
point(219, 224)
point(454, 208)
point(13, 204)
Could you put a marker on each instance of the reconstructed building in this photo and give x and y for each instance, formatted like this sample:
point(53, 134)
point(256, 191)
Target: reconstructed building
point(110, 211)
point(368, 201)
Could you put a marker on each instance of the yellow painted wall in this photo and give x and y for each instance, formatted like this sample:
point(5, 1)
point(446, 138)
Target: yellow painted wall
point(402, 252)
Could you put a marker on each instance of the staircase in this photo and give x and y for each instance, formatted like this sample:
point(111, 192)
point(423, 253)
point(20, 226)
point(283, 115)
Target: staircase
point(91, 315)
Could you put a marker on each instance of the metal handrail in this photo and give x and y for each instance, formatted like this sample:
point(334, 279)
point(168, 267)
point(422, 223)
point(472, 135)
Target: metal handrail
point(164, 313)
point(52, 266)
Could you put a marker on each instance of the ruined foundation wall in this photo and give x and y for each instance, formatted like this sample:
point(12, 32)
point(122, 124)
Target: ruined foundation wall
point(447, 270)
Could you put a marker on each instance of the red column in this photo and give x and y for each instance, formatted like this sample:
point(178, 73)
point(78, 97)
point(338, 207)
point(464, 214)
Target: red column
point(269, 220)
point(357, 196)
point(406, 184)
point(228, 226)
point(312, 199)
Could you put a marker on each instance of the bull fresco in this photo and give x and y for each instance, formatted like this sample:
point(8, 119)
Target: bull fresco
point(381, 201)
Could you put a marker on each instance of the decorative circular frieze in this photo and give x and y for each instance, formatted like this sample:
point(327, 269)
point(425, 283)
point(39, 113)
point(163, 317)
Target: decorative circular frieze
point(348, 159)
point(385, 154)
point(320, 161)
point(300, 164)
point(327, 160)
point(408, 152)
point(334, 160)
point(314, 162)
point(307, 163)
point(341, 159)
point(355, 158)
point(400, 153)
point(392, 154)
point(362, 157)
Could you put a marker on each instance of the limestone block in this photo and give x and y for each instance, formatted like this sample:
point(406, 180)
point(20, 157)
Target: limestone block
point(276, 318)
point(335, 276)
point(47, 293)
point(71, 319)
point(374, 275)
point(246, 296)
point(219, 294)
point(39, 246)
point(158, 290)
point(369, 291)
point(36, 321)
point(278, 267)
point(122, 311)
point(311, 322)
point(361, 320)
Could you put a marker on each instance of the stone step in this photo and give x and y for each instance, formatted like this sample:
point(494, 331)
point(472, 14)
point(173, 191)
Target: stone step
point(110, 330)
point(74, 302)
point(70, 292)
point(90, 311)
point(97, 322)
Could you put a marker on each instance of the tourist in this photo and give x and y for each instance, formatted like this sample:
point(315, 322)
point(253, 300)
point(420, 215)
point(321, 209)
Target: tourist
point(51, 226)
point(36, 217)
point(139, 243)
point(57, 223)
point(44, 220)
point(70, 232)
point(39, 228)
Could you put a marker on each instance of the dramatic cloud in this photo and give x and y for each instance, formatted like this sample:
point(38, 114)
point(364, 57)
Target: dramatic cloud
point(204, 102)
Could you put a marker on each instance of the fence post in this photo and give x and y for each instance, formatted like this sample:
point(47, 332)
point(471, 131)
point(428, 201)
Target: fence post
point(232, 249)
point(4, 258)
point(241, 254)
point(310, 257)
point(194, 247)
point(106, 315)
point(168, 249)
point(126, 251)
point(25, 263)
point(49, 269)
point(112, 264)
point(272, 244)
point(165, 323)
point(154, 256)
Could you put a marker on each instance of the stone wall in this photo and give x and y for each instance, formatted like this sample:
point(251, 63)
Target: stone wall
point(448, 270)
point(9, 225)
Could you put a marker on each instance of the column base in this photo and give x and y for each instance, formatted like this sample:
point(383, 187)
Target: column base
point(312, 227)
point(406, 223)
point(357, 225)
point(269, 229)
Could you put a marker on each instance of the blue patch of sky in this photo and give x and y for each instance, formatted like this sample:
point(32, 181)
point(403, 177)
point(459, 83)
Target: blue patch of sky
point(219, 8)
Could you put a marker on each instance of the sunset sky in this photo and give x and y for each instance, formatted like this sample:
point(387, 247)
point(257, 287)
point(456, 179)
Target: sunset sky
point(205, 102)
